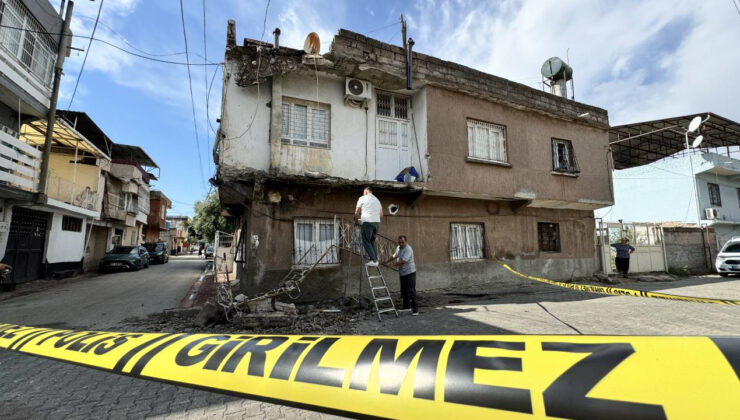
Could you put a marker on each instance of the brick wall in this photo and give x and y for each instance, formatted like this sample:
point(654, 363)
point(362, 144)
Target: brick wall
point(685, 247)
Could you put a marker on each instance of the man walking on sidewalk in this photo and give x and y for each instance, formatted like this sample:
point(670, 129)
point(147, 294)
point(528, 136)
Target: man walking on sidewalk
point(403, 258)
point(369, 211)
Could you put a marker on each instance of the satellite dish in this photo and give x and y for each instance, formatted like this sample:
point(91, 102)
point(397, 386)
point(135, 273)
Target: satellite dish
point(697, 141)
point(694, 124)
point(312, 46)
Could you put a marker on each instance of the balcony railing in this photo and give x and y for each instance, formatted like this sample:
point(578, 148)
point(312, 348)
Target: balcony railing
point(71, 193)
point(23, 38)
point(19, 163)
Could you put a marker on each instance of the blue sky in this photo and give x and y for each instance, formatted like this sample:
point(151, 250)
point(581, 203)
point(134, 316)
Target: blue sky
point(639, 60)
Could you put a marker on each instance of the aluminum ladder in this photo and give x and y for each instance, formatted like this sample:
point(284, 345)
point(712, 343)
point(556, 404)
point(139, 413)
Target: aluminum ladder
point(379, 290)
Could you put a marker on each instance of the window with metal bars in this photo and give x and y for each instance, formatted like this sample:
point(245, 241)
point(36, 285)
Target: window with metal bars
point(31, 46)
point(548, 236)
point(738, 195)
point(486, 141)
point(393, 120)
point(305, 123)
point(311, 238)
point(71, 224)
point(466, 241)
point(714, 197)
point(563, 157)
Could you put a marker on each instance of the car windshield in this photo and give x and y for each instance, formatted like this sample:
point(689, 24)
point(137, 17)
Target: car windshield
point(209, 249)
point(122, 250)
point(152, 247)
point(734, 247)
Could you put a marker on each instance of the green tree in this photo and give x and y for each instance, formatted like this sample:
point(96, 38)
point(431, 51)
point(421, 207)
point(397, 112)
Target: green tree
point(208, 218)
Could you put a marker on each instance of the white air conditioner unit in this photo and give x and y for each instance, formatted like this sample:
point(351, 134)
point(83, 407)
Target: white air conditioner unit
point(711, 213)
point(357, 89)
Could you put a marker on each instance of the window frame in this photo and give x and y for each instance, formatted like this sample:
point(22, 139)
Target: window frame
point(333, 258)
point(572, 161)
point(465, 255)
point(712, 201)
point(71, 224)
point(290, 138)
point(558, 242)
point(502, 130)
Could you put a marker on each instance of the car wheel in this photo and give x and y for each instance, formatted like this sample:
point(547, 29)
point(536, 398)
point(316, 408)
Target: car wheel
point(724, 274)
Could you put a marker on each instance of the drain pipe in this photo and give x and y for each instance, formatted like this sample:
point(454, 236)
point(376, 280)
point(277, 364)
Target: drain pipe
point(408, 64)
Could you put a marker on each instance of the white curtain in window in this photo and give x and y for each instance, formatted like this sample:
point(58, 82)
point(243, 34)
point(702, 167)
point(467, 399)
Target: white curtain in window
point(486, 141)
point(312, 238)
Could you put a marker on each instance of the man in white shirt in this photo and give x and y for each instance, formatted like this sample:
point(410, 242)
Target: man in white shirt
point(368, 212)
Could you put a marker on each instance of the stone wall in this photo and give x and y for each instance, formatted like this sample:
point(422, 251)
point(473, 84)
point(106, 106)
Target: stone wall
point(686, 248)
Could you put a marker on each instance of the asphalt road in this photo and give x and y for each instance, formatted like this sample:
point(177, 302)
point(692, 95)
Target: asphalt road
point(103, 301)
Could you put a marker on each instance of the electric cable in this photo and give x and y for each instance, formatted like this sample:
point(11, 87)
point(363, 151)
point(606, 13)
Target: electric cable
point(205, 86)
point(84, 60)
point(192, 99)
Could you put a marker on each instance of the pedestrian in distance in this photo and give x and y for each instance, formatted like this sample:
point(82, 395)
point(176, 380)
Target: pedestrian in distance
point(368, 213)
point(624, 249)
point(403, 258)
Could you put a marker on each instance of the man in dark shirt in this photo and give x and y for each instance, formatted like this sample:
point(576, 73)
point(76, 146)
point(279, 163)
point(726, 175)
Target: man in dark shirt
point(623, 256)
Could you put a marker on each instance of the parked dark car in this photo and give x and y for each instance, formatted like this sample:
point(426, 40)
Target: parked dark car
point(157, 252)
point(125, 258)
point(209, 252)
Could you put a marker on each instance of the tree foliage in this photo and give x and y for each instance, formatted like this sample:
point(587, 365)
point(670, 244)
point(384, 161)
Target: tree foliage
point(208, 218)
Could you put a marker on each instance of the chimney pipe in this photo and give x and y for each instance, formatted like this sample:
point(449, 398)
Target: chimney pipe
point(230, 33)
point(408, 64)
point(276, 32)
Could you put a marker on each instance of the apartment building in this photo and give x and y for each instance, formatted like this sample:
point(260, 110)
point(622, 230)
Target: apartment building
point(469, 166)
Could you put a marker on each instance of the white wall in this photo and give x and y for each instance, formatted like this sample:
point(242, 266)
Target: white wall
point(352, 151)
point(5, 218)
point(244, 108)
point(62, 245)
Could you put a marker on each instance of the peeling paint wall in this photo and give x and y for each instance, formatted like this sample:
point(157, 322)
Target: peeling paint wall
point(352, 143)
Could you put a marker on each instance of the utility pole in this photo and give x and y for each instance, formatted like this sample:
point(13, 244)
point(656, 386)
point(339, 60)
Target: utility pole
point(51, 120)
point(403, 33)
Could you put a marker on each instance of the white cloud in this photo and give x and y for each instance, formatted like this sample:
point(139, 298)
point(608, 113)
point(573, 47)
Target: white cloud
point(620, 51)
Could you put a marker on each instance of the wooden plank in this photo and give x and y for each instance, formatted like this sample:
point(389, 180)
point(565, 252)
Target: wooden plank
point(20, 168)
point(18, 181)
point(29, 150)
point(16, 155)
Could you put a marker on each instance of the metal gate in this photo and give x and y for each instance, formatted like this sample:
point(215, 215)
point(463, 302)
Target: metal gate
point(646, 238)
point(26, 241)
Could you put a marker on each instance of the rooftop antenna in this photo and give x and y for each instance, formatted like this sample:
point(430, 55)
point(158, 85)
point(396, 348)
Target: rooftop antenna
point(312, 46)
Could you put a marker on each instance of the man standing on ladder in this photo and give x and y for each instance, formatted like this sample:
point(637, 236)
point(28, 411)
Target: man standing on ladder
point(403, 258)
point(368, 212)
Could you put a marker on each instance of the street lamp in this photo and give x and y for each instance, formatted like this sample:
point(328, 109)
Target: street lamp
point(694, 125)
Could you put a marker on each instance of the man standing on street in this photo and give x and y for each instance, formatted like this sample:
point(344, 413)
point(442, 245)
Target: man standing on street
point(369, 211)
point(403, 258)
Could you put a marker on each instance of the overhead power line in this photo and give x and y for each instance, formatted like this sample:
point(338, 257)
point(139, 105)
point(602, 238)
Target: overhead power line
point(190, 84)
point(84, 60)
point(207, 91)
point(120, 48)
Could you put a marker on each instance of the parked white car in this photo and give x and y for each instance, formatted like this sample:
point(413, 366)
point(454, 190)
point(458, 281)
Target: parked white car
point(728, 259)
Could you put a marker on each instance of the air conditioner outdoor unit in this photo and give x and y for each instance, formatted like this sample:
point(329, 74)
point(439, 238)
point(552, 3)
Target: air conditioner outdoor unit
point(357, 89)
point(711, 213)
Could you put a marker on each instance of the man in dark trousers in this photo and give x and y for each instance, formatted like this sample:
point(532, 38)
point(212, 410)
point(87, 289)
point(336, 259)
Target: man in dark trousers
point(368, 212)
point(623, 256)
point(403, 258)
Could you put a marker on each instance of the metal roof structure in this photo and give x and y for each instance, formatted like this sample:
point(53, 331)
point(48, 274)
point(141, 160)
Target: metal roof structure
point(133, 154)
point(645, 142)
point(64, 136)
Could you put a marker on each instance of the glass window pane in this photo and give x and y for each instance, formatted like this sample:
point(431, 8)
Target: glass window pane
point(286, 120)
point(300, 121)
point(319, 126)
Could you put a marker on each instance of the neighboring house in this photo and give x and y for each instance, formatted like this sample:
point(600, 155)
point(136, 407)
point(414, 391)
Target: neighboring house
point(156, 228)
point(125, 186)
point(505, 170)
point(178, 232)
point(663, 191)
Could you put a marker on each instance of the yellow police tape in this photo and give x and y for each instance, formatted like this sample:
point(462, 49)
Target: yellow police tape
point(619, 291)
point(506, 376)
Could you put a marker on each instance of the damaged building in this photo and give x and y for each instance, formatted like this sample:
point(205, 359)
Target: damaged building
point(469, 166)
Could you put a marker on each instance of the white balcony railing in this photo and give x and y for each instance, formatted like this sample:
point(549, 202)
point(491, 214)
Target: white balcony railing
point(66, 191)
point(19, 163)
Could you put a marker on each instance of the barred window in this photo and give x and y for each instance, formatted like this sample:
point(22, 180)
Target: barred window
point(393, 106)
point(71, 224)
point(305, 123)
point(393, 120)
point(714, 197)
point(563, 157)
point(548, 236)
point(486, 141)
point(466, 241)
point(312, 238)
point(32, 46)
